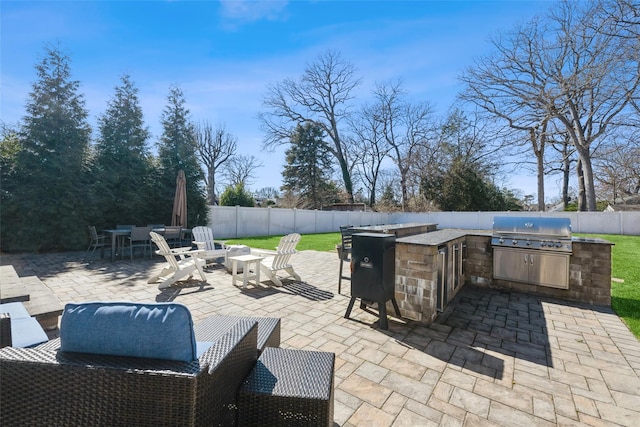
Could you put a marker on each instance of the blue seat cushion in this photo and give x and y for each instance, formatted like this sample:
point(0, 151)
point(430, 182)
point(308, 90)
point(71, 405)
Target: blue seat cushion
point(157, 331)
point(16, 310)
point(25, 330)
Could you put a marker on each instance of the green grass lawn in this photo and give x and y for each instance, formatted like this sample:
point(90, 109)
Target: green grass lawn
point(625, 295)
point(316, 242)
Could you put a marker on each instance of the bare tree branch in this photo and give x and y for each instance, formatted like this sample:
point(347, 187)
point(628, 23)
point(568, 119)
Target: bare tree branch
point(321, 96)
point(575, 67)
point(240, 170)
point(215, 147)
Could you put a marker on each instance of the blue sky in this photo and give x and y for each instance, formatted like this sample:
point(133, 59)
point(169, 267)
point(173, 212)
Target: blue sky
point(224, 54)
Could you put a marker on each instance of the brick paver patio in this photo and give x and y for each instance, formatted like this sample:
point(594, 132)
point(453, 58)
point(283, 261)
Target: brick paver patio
point(493, 358)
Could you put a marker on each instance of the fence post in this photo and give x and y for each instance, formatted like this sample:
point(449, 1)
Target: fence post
point(237, 212)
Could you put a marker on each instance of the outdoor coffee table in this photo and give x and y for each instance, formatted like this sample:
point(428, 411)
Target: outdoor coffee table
point(246, 261)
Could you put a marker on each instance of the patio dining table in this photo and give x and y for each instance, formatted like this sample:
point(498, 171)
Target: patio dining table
point(115, 233)
point(124, 232)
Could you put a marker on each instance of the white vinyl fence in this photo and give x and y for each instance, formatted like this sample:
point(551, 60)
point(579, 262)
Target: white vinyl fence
point(235, 221)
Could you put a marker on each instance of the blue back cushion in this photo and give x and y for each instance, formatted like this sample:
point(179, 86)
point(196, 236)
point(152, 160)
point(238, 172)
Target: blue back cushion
point(157, 331)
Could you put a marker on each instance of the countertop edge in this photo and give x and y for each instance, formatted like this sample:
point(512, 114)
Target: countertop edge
point(441, 236)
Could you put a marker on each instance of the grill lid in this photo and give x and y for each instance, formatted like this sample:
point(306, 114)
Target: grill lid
point(533, 227)
point(547, 234)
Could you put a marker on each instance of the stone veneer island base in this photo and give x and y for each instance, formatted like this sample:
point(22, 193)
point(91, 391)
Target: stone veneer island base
point(418, 275)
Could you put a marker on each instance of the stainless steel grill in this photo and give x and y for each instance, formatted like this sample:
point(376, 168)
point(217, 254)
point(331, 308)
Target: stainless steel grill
point(548, 234)
point(532, 250)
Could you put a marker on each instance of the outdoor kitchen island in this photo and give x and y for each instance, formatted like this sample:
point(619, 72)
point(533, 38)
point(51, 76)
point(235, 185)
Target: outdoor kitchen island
point(430, 270)
point(432, 267)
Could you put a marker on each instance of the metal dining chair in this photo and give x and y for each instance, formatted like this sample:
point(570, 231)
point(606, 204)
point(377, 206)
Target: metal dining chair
point(96, 241)
point(139, 238)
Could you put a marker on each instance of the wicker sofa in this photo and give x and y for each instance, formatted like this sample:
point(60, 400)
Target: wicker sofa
point(43, 386)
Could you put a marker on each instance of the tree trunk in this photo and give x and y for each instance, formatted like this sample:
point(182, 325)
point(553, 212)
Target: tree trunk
point(405, 195)
point(565, 178)
point(586, 175)
point(348, 185)
point(372, 196)
point(541, 204)
point(539, 152)
point(581, 194)
point(589, 186)
point(211, 187)
point(346, 173)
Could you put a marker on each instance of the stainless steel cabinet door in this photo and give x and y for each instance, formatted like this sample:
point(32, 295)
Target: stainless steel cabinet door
point(549, 270)
point(509, 264)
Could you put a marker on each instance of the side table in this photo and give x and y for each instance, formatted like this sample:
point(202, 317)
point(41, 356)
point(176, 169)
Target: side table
point(246, 261)
point(234, 250)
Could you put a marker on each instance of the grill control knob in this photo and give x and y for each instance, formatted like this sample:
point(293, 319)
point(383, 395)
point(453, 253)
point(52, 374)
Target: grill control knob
point(501, 241)
point(543, 244)
point(515, 242)
point(528, 242)
point(558, 244)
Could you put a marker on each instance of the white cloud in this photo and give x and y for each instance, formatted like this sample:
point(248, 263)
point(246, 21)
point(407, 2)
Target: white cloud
point(246, 11)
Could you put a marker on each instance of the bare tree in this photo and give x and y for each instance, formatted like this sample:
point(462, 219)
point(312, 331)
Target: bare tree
point(562, 162)
point(596, 75)
point(618, 167)
point(465, 136)
point(506, 85)
point(215, 147)
point(404, 127)
point(625, 17)
point(240, 170)
point(268, 193)
point(370, 148)
point(321, 96)
point(572, 68)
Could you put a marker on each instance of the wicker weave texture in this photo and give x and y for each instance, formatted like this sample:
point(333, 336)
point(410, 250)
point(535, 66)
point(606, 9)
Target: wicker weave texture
point(5, 330)
point(288, 388)
point(214, 326)
point(47, 388)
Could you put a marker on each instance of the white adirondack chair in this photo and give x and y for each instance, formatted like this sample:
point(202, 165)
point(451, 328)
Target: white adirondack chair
point(203, 239)
point(183, 263)
point(279, 260)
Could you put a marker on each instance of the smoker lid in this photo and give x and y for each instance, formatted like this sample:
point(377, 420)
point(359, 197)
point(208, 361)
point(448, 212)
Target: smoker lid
point(535, 226)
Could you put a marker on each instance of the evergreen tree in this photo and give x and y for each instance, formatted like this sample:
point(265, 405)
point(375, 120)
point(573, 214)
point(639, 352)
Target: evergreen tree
point(463, 189)
point(10, 146)
point(388, 199)
point(177, 150)
point(308, 169)
point(48, 207)
point(236, 195)
point(122, 164)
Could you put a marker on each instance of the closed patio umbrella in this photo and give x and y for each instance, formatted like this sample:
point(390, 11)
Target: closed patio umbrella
point(179, 215)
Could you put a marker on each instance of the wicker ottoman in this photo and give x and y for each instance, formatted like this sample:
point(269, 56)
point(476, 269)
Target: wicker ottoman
point(288, 388)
